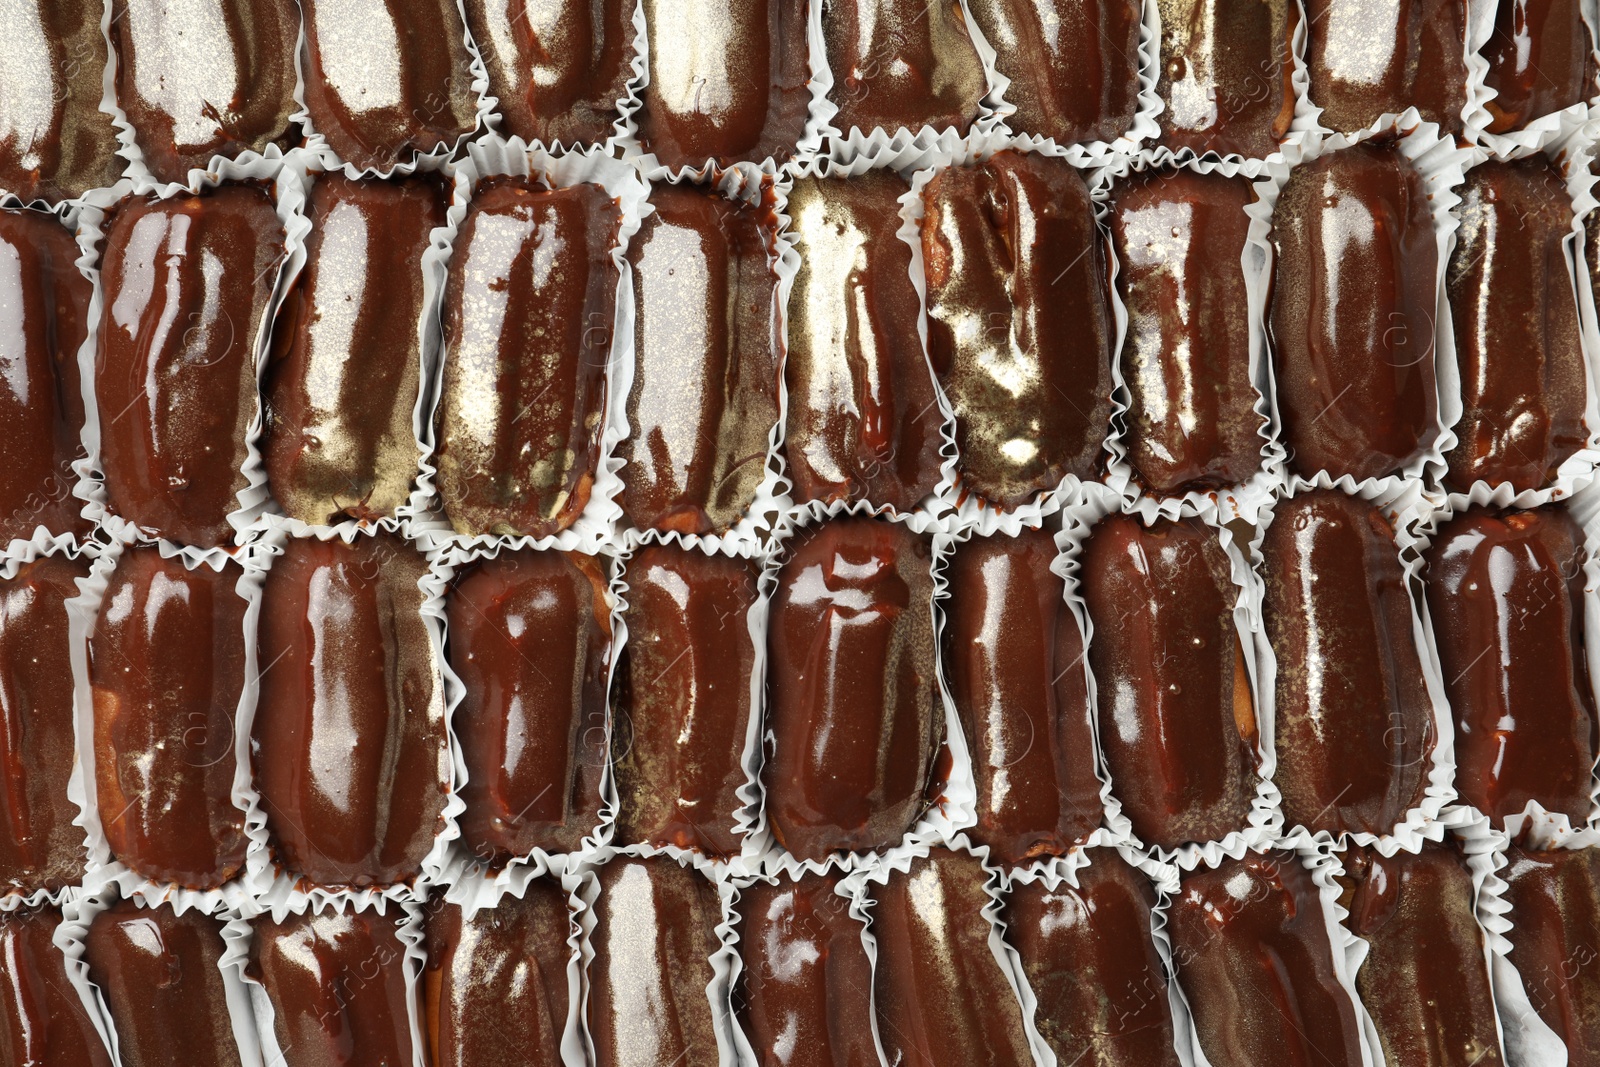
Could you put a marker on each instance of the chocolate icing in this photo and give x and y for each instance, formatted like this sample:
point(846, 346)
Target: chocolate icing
point(1541, 60)
point(1555, 909)
point(1225, 75)
point(1369, 58)
point(42, 1019)
point(901, 63)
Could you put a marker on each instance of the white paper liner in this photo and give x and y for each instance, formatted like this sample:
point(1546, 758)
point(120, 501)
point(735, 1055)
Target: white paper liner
point(595, 526)
point(1256, 260)
point(289, 197)
point(1399, 499)
point(239, 934)
point(71, 937)
point(103, 869)
point(1441, 163)
point(1541, 130)
point(1265, 822)
point(1142, 129)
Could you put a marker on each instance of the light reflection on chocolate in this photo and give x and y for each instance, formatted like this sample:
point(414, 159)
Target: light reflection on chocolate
point(1225, 75)
point(1369, 58)
point(1541, 60)
point(42, 1018)
point(901, 63)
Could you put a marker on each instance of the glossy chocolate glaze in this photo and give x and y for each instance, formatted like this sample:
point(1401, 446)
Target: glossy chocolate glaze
point(1250, 946)
point(1353, 313)
point(1424, 980)
point(901, 63)
point(727, 81)
point(1013, 662)
point(176, 403)
point(1591, 248)
point(1088, 956)
point(340, 387)
point(530, 640)
point(42, 1019)
point(1177, 718)
point(496, 983)
point(557, 67)
point(337, 985)
point(524, 392)
point(1519, 345)
point(1369, 58)
point(1505, 596)
point(39, 846)
point(1019, 324)
point(1555, 909)
point(804, 996)
point(1074, 67)
point(205, 78)
point(349, 737)
point(166, 664)
point(386, 79)
point(707, 358)
point(1224, 78)
point(46, 299)
point(683, 701)
point(158, 973)
point(1179, 238)
point(863, 417)
point(1540, 60)
point(654, 934)
point(1354, 724)
point(56, 143)
point(942, 999)
point(852, 705)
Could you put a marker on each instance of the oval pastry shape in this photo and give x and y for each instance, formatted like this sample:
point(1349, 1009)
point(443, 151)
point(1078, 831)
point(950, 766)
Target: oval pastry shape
point(42, 1019)
point(166, 667)
point(1353, 313)
point(529, 311)
point(1354, 727)
point(1370, 58)
point(349, 738)
point(852, 698)
point(1541, 60)
point(901, 64)
point(530, 642)
point(187, 282)
point(1555, 898)
point(1225, 80)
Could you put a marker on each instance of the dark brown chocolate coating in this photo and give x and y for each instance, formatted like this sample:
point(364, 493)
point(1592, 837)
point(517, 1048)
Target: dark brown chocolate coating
point(1425, 981)
point(1541, 60)
point(1250, 946)
point(557, 67)
point(166, 663)
point(1506, 599)
point(727, 81)
point(654, 934)
point(1519, 345)
point(46, 299)
point(852, 705)
point(158, 973)
point(901, 63)
point(942, 998)
point(707, 358)
point(1179, 238)
point(1354, 724)
point(1555, 909)
point(1019, 323)
point(1013, 662)
point(57, 142)
point(1369, 58)
point(1353, 312)
point(349, 738)
point(39, 846)
point(42, 1018)
point(1088, 955)
point(1225, 75)
point(1074, 67)
point(336, 980)
point(804, 995)
point(530, 640)
point(1177, 719)
point(386, 79)
point(187, 281)
point(205, 79)
point(341, 385)
point(528, 320)
point(683, 701)
point(1591, 250)
point(863, 418)
point(495, 986)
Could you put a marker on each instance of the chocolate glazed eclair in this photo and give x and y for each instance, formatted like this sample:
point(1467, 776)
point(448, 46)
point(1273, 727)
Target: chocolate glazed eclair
point(1225, 80)
point(42, 1018)
point(1369, 58)
point(1555, 909)
point(901, 63)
